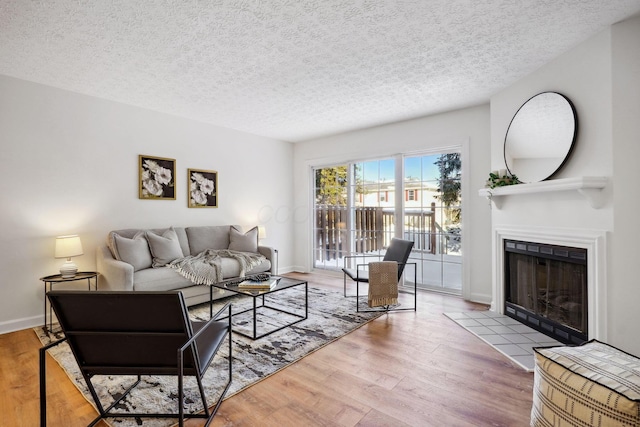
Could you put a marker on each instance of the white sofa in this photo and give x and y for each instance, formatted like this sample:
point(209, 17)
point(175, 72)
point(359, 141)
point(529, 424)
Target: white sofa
point(136, 259)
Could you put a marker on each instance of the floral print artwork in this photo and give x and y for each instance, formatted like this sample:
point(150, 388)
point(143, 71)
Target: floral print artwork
point(157, 178)
point(203, 189)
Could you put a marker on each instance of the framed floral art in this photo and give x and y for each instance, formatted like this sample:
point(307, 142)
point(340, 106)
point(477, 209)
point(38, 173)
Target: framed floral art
point(156, 178)
point(203, 188)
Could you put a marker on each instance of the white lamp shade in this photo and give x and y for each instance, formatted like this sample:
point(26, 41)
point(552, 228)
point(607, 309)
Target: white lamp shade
point(68, 246)
point(262, 232)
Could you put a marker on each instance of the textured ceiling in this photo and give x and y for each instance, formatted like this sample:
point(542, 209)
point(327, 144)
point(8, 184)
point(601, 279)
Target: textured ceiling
point(293, 69)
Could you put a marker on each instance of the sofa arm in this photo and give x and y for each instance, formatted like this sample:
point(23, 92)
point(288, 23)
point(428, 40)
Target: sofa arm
point(114, 275)
point(270, 254)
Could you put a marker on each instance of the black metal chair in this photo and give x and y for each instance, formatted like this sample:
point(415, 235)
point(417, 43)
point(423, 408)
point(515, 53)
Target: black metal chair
point(137, 333)
point(398, 251)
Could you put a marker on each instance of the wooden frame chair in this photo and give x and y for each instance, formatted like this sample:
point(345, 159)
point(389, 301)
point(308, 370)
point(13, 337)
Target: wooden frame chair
point(398, 251)
point(137, 333)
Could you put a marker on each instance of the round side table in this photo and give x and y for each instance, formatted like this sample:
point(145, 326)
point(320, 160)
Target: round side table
point(57, 278)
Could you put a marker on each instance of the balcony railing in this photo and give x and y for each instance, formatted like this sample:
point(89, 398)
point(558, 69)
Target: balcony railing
point(373, 228)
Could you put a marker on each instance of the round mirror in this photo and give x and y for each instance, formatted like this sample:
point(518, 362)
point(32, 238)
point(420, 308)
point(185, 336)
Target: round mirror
point(540, 137)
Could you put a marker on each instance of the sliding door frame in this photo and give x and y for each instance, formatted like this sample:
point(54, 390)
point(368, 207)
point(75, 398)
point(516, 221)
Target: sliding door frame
point(461, 145)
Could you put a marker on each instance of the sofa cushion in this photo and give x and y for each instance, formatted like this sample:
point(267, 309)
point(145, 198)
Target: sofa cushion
point(134, 251)
point(160, 279)
point(247, 242)
point(167, 279)
point(164, 248)
point(207, 237)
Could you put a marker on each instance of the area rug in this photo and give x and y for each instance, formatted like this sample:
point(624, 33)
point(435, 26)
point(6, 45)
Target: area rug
point(330, 317)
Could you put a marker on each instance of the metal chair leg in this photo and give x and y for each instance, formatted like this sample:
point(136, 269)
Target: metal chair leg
point(43, 380)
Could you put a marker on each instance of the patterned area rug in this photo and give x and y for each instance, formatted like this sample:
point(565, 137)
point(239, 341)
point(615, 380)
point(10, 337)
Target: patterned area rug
point(330, 317)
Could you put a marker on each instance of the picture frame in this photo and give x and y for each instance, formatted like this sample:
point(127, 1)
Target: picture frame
point(156, 178)
point(202, 188)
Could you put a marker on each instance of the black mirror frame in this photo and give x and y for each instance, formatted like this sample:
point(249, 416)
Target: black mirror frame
point(573, 141)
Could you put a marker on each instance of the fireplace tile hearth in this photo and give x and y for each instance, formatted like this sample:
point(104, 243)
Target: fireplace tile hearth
point(502, 329)
point(505, 334)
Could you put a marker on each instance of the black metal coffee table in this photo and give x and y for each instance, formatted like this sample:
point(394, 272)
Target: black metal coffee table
point(264, 304)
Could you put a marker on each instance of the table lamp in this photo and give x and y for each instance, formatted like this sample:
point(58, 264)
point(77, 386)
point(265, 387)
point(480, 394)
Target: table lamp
point(67, 247)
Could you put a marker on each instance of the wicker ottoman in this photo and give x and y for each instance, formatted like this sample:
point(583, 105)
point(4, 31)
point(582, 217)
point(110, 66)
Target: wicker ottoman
point(590, 385)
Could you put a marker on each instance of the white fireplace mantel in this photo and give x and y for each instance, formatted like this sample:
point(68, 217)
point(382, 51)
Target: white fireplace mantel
point(588, 186)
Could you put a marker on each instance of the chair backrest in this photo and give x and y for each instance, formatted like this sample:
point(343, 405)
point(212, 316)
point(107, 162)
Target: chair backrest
point(124, 333)
point(399, 251)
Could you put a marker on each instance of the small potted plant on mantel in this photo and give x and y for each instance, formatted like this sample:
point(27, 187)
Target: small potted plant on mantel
point(501, 178)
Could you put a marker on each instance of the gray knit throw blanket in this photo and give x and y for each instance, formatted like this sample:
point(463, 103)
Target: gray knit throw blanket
point(206, 267)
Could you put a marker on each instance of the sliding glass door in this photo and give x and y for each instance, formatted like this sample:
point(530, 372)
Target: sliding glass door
point(353, 211)
point(330, 191)
point(432, 218)
point(360, 206)
point(372, 211)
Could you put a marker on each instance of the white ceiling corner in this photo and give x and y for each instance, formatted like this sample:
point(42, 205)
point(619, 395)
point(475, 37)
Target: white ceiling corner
point(293, 69)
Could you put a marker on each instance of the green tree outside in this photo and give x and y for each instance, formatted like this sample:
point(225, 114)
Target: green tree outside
point(331, 185)
point(449, 187)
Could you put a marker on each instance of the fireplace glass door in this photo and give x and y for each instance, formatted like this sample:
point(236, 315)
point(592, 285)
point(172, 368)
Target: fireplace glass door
point(547, 286)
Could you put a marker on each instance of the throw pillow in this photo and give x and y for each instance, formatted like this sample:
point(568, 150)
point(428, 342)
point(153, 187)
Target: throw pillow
point(134, 251)
point(247, 242)
point(164, 248)
point(202, 238)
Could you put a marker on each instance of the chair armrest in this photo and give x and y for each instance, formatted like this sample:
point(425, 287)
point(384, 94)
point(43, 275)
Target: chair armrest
point(399, 264)
point(415, 271)
point(362, 256)
point(408, 263)
point(194, 338)
point(227, 306)
point(213, 319)
point(358, 269)
point(348, 257)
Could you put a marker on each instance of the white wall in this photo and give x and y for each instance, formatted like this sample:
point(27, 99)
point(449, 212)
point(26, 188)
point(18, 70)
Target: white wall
point(584, 76)
point(624, 286)
point(69, 165)
point(469, 126)
point(602, 78)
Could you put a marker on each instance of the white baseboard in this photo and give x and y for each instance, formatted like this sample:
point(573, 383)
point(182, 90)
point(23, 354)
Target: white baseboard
point(20, 324)
point(290, 269)
point(480, 298)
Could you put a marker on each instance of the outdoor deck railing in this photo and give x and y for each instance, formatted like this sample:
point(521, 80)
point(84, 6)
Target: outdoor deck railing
point(373, 228)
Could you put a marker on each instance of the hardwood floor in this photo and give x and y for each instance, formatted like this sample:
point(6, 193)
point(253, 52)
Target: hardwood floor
point(402, 369)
